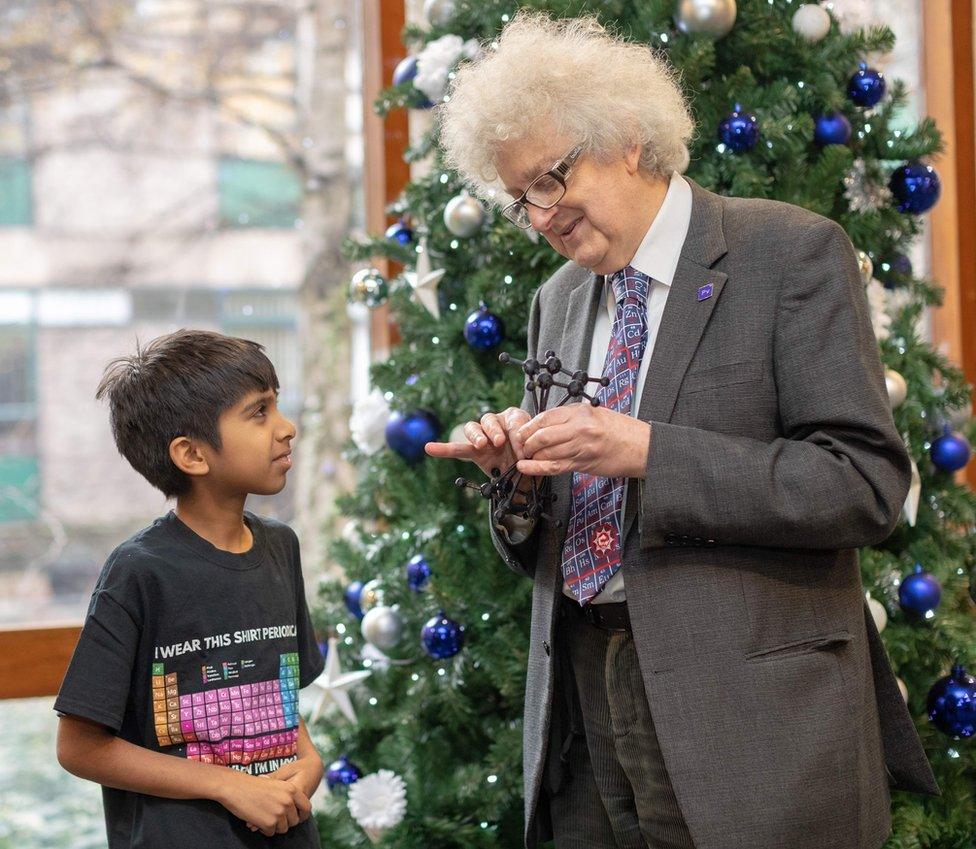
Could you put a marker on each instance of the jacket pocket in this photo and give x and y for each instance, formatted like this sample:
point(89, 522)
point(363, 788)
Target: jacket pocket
point(821, 642)
point(726, 374)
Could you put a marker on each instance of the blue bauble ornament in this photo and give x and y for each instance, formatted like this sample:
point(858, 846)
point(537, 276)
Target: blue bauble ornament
point(483, 329)
point(832, 128)
point(405, 71)
point(442, 637)
point(351, 596)
point(919, 592)
point(407, 433)
point(399, 232)
point(418, 571)
point(950, 452)
point(341, 773)
point(739, 131)
point(893, 270)
point(916, 186)
point(866, 87)
point(951, 704)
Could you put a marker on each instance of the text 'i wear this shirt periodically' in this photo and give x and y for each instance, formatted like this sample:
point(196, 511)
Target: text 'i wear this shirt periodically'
point(198, 653)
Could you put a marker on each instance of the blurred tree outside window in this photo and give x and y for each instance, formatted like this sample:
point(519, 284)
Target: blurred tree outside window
point(19, 485)
point(15, 192)
point(258, 194)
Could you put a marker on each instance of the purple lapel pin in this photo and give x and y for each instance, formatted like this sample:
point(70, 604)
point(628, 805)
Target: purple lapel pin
point(705, 292)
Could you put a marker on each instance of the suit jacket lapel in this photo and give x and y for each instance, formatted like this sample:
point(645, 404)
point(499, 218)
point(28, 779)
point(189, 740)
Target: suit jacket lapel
point(688, 309)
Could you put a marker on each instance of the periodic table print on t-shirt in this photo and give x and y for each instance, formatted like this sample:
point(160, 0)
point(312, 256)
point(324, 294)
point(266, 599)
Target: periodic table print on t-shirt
point(252, 727)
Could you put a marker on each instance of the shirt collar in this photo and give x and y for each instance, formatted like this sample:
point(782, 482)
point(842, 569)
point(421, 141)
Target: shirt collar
point(658, 253)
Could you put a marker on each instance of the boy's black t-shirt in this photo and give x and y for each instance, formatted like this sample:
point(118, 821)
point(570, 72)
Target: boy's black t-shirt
point(198, 653)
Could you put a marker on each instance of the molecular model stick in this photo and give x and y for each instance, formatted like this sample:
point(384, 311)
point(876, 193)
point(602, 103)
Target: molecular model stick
point(503, 486)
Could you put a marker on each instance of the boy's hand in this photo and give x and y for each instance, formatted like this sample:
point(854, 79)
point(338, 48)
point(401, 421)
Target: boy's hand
point(306, 772)
point(267, 804)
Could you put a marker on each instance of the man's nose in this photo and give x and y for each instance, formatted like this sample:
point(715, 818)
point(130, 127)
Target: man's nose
point(541, 219)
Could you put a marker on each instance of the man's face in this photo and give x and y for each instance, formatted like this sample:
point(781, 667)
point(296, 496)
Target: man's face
point(255, 452)
point(590, 225)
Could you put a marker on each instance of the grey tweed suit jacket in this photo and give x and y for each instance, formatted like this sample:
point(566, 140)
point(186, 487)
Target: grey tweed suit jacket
point(773, 457)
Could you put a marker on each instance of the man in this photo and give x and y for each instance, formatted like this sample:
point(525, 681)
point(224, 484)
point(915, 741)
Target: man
point(702, 671)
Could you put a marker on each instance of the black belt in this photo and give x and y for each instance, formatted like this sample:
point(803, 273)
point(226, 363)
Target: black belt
point(609, 616)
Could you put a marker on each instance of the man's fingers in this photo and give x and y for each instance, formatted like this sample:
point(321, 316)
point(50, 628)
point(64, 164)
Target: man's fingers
point(451, 450)
point(558, 451)
point(551, 437)
point(557, 415)
point(493, 429)
point(514, 418)
point(541, 468)
point(475, 434)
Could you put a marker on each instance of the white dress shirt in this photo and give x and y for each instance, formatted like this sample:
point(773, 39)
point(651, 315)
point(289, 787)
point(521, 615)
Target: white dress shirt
point(657, 257)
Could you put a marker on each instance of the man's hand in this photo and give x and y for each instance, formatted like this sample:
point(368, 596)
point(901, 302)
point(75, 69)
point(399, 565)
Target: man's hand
point(583, 438)
point(267, 804)
point(492, 443)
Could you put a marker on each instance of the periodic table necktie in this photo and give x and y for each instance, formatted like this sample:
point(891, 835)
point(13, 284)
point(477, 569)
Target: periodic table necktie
point(591, 549)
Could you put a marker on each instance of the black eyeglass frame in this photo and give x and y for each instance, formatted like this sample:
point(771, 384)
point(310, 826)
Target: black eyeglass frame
point(560, 172)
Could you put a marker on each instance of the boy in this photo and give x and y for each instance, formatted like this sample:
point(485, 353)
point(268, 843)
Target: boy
point(198, 636)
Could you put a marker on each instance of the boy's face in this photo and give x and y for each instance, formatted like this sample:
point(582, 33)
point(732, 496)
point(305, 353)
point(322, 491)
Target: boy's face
point(255, 452)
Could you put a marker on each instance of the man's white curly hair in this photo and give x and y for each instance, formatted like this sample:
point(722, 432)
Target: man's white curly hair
point(568, 78)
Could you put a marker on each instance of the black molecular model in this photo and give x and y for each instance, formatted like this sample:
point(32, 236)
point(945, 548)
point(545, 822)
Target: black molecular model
point(503, 487)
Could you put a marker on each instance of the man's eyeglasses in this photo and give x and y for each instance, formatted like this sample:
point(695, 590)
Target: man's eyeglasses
point(544, 192)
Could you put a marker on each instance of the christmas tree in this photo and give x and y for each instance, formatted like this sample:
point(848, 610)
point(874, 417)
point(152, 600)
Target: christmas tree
point(787, 107)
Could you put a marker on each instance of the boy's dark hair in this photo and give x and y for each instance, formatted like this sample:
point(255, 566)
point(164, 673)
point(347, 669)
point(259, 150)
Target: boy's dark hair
point(178, 385)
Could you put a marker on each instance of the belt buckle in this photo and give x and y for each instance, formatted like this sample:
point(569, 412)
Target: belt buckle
point(595, 617)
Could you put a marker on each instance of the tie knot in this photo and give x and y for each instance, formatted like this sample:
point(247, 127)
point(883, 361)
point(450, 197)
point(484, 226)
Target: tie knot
point(630, 283)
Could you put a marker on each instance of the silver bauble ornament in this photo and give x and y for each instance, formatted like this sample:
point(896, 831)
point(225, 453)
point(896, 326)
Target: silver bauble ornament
point(903, 689)
point(878, 612)
point(371, 595)
point(865, 266)
point(464, 215)
point(438, 13)
point(368, 287)
point(897, 388)
point(711, 18)
point(382, 627)
point(811, 22)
